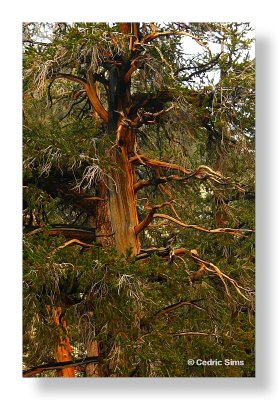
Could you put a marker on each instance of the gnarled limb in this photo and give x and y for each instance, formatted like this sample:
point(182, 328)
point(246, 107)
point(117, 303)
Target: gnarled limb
point(68, 231)
point(206, 265)
point(202, 172)
point(230, 231)
point(155, 34)
point(71, 243)
point(143, 224)
point(91, 93)
point(146, 118)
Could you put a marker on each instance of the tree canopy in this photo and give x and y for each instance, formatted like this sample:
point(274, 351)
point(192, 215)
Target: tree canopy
point(138, 199)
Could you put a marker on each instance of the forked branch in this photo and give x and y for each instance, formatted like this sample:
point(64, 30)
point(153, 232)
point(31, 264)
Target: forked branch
point(206, 266)
point(91, 93)
point(149, 217)
point(202, 172)
point(72, 242)
point(155, 34)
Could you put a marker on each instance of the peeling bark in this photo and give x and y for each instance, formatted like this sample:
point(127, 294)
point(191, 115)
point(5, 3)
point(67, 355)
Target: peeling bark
point(122, 199)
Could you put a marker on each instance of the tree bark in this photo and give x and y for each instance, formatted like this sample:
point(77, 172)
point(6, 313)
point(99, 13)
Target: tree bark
point(63, 351)
point(117, 215)
point(93, 370)
point(122, 203)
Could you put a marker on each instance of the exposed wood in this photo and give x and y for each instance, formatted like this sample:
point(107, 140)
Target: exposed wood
point(91, 93)
point(72, 242)
point(122, 201)
point(202, 172)
point(229, 231)
point(133, 68)
point(149, 217)
point(95, 101)
point(63, 350)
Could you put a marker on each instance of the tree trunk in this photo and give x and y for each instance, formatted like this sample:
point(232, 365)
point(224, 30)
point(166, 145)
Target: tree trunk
point(93, 370)
point(119, 214)
point(63, 351)
point(122, 202)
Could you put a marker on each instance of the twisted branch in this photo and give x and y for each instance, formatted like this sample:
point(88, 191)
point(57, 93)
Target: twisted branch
point(230, 231)
point(205, 265)
point(202, 172)
point(91, 93)
point(149, 217)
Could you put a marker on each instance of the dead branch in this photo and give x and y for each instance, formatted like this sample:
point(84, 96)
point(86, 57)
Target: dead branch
point(194, 334)
point(206, 265)
point(197, 275)
point(59, 365)
point(72, 242)
point(78, 233)
point(202, 172)
point(230, 231)
point(146, 221)
point(149, 102)
point(155, 34)
point(181, 303)
point(91, 93)
point(158, 180)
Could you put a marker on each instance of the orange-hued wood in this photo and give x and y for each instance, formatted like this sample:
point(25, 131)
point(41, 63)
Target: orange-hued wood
point(63, 352)
point(122, 198)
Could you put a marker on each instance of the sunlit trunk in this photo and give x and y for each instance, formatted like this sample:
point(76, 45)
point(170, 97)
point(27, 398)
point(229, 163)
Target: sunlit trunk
point(64, 350)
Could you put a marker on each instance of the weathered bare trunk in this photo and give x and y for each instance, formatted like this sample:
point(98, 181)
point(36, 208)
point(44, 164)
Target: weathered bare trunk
point(122, 203)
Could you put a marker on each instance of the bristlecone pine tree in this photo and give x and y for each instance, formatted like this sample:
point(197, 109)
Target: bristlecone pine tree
point(138, 199)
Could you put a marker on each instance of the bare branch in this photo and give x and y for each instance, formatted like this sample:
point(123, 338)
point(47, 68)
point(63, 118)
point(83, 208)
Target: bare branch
point(230, 231)
point(206, 265)
point(155, 34)
point(91, 93)
point(146, 221)
point(195, 334)
point(71, 243)
point(69, 232)
point(59, 365)
point(181, 303)
point(202, 172)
